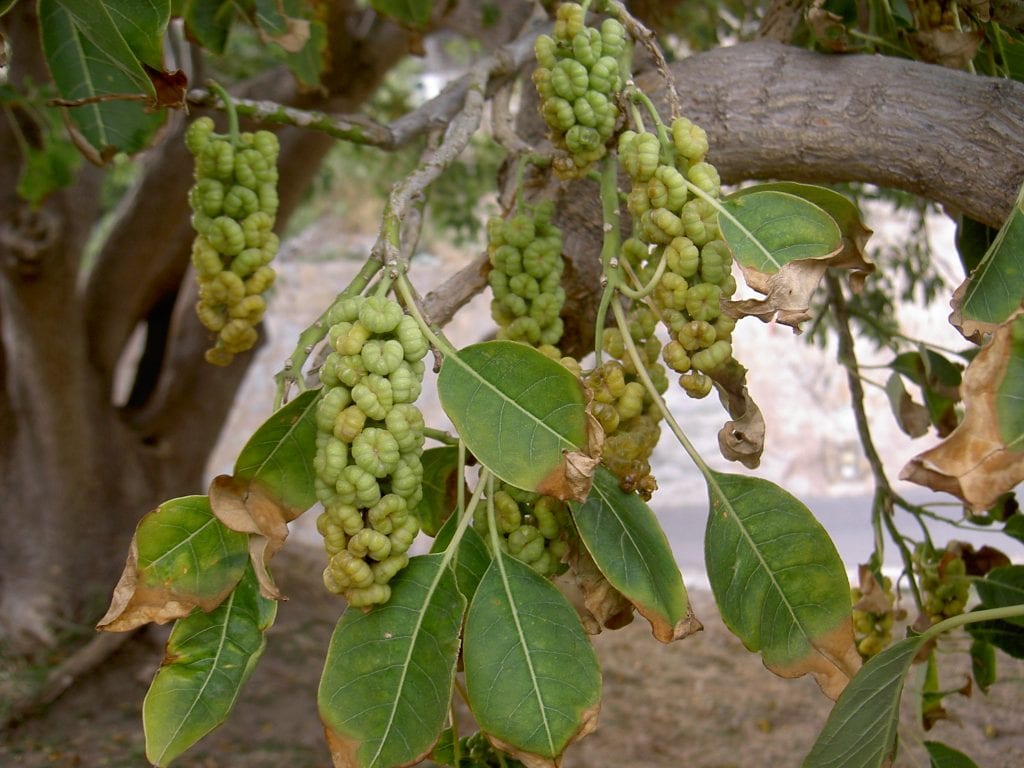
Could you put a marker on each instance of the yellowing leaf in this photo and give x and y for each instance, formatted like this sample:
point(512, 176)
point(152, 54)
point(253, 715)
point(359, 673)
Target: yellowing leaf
point(984, 456)
point(180, 557)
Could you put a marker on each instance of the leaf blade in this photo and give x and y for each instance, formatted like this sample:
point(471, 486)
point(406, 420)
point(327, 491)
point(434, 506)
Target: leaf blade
point(413, 689)
point(778, 581)
point(517, 410)
point(629, 547)
point(523, 642)
point(210, 656)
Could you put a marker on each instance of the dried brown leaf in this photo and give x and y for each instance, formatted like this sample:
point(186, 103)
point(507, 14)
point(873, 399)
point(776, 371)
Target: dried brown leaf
point(293, 38)
point(247, 506)
point(742, 438)
point(952, 48)
point(974, 463)
point(171, 89)
point(572, 477)
point(873, 598)
point(604, 607)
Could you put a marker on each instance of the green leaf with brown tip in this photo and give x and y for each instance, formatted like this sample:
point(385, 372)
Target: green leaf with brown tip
point(520, 413)
point(531, 674)
point(209, 657)
point(632, 552)
point(389, 672)
point(778, 581)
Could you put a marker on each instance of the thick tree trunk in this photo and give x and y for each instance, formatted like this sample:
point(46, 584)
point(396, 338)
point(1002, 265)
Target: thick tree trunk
point(77, 470)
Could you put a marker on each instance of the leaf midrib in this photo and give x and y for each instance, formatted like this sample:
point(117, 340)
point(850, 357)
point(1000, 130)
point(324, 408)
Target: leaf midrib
point(713, 483)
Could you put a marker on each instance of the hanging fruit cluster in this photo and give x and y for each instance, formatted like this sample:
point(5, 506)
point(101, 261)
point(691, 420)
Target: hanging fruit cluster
point(942, 576)
point(526, 274)
point(234, 202)
point(578, 80)
point(369, 442)
point(681, 228)
point(531, 527)
point(873, 627)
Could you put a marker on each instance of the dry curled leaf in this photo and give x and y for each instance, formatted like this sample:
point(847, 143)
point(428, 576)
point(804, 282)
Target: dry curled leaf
point(742, 438)
point(978, 462)
point(248, 507)
point(572, 477)
point(604, 607)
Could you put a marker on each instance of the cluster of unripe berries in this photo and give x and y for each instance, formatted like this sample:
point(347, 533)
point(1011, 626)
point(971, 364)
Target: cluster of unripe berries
point(873, 628)
point(942, 577)
point(577, 80)
point(525, 252)
point(674, 224)
point(234, 202)
point(621, 403)
point(531, 527)
point(369, 441)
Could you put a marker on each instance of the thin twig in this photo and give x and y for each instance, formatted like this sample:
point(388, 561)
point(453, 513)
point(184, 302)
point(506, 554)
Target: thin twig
point(80, 663)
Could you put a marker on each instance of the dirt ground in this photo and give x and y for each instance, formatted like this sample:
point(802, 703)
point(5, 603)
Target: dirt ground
point(703, 702)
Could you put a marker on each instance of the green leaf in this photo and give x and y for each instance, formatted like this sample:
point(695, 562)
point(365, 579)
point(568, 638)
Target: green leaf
point(516, 409)
point(778, 580)
point(994, 290)
point(279, 455)
point(1009, 396)
point(767, 230)
point(181, 556)
point(209, 658)
point(471, 560)
point(89, 56)
point(973, 239)
point(209, 22)
point(440, 487)
point(412, 13)
point(286, 23)
point(631, 550)
point(5, 6)
point(47, 169)
point(1004, 635)
point(861, 730)
point(983, 664)
point(531, 674)
point(942, 756)
point(1002, 587)
point(389, 672)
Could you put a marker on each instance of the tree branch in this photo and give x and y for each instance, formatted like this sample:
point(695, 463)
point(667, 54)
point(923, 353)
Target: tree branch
point(775, 111)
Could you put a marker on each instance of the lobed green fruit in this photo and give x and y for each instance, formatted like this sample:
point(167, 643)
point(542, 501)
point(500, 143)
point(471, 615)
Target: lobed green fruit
point(234, 202)
point(369, 440)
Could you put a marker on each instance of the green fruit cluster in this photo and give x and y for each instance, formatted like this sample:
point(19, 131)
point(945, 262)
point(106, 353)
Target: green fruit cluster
point(234, 202)
point(873, 629)
point(533, 528)
point(622, 405)
point(578, 79)
point(369, 442)
point(673, 225)
point(942, 577)
point(525, 252)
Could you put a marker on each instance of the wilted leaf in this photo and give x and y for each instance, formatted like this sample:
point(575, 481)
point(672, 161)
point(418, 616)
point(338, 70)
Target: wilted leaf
point(861, 730)
point(779, 582)
point(209, 657)
point(783, 244)
point(742, 438)
point(521, 414)
point(388, 676)
point(180, 557)
point(279, 455)
point(523, 645)
point(939, 380)
point(170, 88)
point(873, 598)
point(911, 417)
point(984, 456)
point(631, 550)
point(942, 756)
point(603, 605)
point(247, 507)
point(993, 293)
